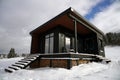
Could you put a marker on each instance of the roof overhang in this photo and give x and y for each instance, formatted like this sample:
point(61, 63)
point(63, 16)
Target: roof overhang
point(66, 19)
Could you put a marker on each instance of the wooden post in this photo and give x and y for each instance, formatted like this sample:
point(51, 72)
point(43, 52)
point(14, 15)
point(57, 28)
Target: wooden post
point(76, 46)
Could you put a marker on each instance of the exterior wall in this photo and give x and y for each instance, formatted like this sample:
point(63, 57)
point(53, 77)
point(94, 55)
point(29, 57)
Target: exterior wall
point(34, 44)
point(74, 62)
point(44, 63)
point(58, 63)
point(77, 62)
point(35, 64)
point(83, 61)
point(53, 63)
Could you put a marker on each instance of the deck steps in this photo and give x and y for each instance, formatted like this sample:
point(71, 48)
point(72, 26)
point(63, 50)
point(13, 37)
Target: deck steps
point(20, 63)
point(15, 68)
point(9, 70)
point(21, 66)
point(23, 63)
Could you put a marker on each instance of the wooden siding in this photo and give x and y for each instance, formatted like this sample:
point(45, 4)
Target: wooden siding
point(44, 63)
point(34, 44)
point(58, 63)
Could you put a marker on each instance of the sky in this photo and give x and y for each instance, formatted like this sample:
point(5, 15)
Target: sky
point(19, 17)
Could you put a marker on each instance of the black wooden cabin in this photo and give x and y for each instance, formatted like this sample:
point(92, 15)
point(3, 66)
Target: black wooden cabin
point(67, 32)
point(66, 40)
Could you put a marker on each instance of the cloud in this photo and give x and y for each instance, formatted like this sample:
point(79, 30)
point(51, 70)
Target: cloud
point(84, 7)
point(108, 19)
point(19, 17)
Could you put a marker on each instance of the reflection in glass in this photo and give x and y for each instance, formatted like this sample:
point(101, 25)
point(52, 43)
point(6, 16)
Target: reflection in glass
point(49, 43)
point(67, 45)
point(51, 34)
point(47, 36)
point(46, 45)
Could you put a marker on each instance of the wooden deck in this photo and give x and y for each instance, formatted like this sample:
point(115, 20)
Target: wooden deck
point(66, 60)
point(61, 60)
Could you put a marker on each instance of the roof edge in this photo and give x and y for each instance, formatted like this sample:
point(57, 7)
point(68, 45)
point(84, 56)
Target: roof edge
point(68, 10)
point(76, 13)
point(90, 24)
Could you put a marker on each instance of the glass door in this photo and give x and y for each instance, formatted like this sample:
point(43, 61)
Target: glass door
point(49, 43)
point(67, 43)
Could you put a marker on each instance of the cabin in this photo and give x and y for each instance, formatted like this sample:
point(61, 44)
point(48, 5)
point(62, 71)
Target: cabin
point(66, 40)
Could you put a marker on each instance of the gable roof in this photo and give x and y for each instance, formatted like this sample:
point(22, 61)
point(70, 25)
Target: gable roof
point(66, 19)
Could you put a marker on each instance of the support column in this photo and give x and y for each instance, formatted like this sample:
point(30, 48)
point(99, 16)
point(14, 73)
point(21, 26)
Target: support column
point(76, 46)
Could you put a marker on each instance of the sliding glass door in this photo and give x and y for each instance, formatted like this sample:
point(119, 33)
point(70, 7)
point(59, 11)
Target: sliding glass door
point(49, 43)
point(67, 43)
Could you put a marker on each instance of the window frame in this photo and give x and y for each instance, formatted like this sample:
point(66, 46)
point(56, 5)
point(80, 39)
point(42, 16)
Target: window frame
point(48, 48)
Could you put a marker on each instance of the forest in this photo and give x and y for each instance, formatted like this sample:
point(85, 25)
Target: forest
point(112, 39)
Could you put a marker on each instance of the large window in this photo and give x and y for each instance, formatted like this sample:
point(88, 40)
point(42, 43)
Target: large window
point(67, 41)
point(49, 43)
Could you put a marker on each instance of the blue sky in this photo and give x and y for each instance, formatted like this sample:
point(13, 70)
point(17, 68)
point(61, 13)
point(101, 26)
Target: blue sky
point(98, 8)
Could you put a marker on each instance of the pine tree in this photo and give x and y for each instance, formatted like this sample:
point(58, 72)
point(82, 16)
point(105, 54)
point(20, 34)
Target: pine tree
point(11, 53)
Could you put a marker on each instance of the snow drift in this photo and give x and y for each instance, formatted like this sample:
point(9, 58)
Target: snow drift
point(91, 71)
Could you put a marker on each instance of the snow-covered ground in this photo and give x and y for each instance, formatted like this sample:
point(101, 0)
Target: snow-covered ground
point(91, 71)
